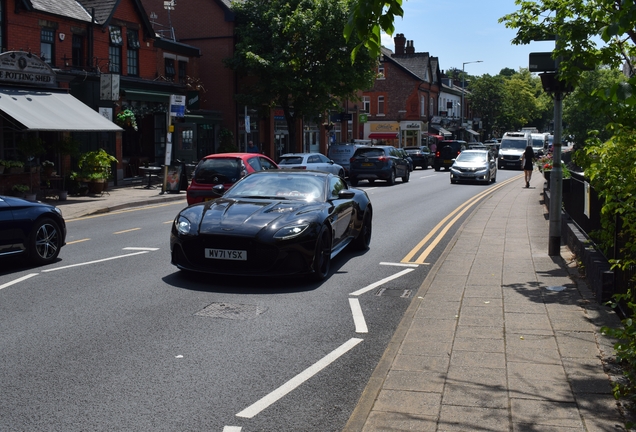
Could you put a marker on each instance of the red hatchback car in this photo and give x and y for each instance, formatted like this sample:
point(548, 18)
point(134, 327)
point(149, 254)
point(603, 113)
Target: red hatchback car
point(225, 169)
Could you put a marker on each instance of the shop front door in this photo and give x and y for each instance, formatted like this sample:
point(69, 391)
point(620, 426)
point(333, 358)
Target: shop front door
point(185, 142)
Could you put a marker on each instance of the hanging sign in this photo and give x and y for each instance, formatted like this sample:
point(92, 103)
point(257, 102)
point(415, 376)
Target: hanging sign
point(177, 105)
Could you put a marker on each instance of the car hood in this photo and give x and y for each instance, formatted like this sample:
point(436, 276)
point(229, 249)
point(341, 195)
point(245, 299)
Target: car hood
point(509, 151)
point(248, 217)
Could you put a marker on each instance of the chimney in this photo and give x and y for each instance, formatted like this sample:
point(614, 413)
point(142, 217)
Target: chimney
point(399, 41)
point(410, 49)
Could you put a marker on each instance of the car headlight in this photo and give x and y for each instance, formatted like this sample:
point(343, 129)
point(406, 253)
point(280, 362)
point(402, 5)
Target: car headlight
point(183, 225)
point(291, 231)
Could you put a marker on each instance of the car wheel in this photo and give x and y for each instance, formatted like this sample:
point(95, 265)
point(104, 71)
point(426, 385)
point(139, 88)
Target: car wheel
point(45, 241)
point(391, 179)
point(494, 178)
point(436, 168)
point(453, 181)
point(322, 255)
point(371, 181)
point(353, 181)
point(406, 177)
point(363, 240)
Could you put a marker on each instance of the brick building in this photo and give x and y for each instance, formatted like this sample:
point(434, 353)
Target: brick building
point(106, 54)
point(404, 98)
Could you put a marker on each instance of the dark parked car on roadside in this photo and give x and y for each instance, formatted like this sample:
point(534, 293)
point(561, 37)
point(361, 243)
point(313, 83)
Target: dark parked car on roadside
point(33, 229)
point(378, 163)
point(446, 153)
point(406, 157)
point(422, 156)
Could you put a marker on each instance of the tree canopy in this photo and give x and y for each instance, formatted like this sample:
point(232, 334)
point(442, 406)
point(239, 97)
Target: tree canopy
point(298, 58)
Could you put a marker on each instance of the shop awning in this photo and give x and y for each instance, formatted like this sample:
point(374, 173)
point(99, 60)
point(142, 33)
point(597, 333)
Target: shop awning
point(51, 111)
point(472, 132)
point(147, 96)
point(441, 130)
point(383, 135)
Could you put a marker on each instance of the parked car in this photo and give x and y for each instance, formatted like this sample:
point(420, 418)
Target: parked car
point(406, 157)
point(446, 153)
point(378, 163)
point(474, 165)
point(276, 222)
point(422, 156)
point(34, 229)
point(225, 169)
point(311, 161)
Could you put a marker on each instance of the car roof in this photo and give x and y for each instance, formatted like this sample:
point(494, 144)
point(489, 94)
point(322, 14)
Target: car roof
point(231, 155)
point(295, 172)
point(299, 154)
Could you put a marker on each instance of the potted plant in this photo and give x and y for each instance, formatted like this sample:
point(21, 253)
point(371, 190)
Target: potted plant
point(48, 167)
point(126, 118)
point(14, 167)
point(2, 165)
point(20, 189)
point(95, 169)
point(31, 147)
point(68, 146)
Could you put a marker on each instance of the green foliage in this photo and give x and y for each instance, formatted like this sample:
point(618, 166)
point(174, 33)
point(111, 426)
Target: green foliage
point(301, 62)
point(126, 118)
point(226, 138)
point(96, 165)
point(31, 146)
point(21, 188)
point(367, 19)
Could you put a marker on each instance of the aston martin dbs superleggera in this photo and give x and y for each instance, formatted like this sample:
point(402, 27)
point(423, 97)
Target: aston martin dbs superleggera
point(276, 222)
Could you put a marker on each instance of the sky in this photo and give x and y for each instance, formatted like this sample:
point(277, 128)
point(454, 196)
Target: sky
point(464, 31)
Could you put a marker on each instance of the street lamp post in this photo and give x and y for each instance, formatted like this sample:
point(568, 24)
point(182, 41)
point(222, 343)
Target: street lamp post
point(464, 90)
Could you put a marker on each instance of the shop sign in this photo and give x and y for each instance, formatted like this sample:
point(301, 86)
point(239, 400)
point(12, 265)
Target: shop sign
point(17, 67)
point(363, 118)
point(412, 126)
point(109, 87)
point(384, 127)
point(177, 105)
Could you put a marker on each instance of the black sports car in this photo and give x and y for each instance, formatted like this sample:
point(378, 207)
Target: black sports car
point(31, 228)
point(275, 222)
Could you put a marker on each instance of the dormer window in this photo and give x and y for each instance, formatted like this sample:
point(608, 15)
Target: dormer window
point(380, 71)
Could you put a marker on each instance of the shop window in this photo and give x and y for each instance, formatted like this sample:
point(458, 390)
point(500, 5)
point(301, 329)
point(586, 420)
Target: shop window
point(114, 50)
point(77, 53)
point(47, 42)
point(132, 54)
point(170, 72)
point(182, 71)
point(380, 105)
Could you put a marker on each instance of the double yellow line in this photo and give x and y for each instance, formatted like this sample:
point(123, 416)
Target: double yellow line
point(445, 224)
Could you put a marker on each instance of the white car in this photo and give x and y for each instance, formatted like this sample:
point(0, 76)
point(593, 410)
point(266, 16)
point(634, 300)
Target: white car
point(311, 161)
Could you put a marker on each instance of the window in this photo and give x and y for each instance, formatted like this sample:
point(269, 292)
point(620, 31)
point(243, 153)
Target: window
point(422, 106)
point(381, 71)
point(366, 104)
point(431, 105)
point(182, 71)
point(380, 105)
point(170, 72)
point(47, 41)
point(77, 51)
point(132, 55)
point(114, 50)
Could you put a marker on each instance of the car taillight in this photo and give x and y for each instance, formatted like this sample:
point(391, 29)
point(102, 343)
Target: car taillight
point(353, 159)
point(437, 154)
point(383, 159)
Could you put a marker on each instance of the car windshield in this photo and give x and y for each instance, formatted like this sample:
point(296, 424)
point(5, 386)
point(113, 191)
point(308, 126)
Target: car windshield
point(514, 144)
point(537, 143)
point(471, 157)
point(218, 170)
point(272, 185)
point(290, 160)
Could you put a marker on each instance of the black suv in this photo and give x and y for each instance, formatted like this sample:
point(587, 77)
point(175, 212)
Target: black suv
point(446, 153)
point(421, 156)
point(377, 163)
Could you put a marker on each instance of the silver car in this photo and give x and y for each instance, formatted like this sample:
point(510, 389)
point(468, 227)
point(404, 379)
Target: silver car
point(311, 161)
point(474, 165)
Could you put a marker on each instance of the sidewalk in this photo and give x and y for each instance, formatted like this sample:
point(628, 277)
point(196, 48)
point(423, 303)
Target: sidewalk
point(500, 336)
point(115, 198)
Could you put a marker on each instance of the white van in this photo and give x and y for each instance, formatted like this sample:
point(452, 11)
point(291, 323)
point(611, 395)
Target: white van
point(539, 144)
point(341, 153)
point(513, 144)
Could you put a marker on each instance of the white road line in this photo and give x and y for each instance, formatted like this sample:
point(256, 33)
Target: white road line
point(400, 264)
point(23, 278)
point(295, 382)
point(94, 262)
point(232, 429)
point(378, 283)
point(358, 317)
point(141, 249)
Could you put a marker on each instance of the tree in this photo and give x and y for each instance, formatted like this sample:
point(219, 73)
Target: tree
point(486, 94)
point(295, 56)
point(366, 21)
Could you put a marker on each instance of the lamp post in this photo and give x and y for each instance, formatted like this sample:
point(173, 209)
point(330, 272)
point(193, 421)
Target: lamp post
point(461, 108)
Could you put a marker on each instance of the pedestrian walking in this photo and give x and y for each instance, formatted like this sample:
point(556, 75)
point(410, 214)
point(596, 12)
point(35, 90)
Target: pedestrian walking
point(251, 148)
point(527, 161)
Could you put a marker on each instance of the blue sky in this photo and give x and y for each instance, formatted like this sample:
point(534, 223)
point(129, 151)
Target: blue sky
point(464, 31)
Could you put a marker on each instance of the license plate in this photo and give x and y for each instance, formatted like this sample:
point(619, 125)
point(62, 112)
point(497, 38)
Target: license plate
point(447, 161)
point(367, 164)
point(226, 254)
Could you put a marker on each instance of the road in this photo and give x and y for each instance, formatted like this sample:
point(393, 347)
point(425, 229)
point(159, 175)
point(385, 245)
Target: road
point(113, 337)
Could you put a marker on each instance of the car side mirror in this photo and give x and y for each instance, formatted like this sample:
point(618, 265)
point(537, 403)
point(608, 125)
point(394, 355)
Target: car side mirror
point(346, 194)
point(218, 189)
